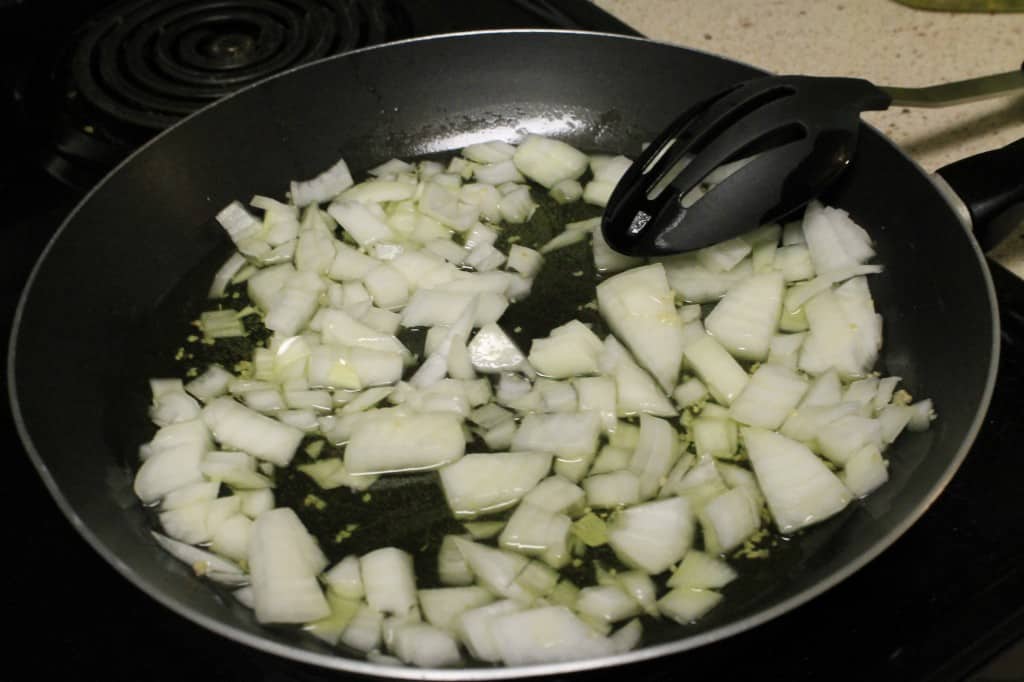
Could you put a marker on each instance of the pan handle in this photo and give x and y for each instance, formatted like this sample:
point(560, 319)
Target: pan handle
point(989, 184)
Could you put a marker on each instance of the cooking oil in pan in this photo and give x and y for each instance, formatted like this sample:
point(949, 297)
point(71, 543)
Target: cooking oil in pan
point(409, 511)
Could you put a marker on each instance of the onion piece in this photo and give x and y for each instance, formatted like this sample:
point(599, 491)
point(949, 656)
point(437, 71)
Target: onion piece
point(893, 419)
point(611, 458)
point(231, 539)
point(498, 172)
point(443, 606)
point(485, 197)
point(360, 222)
point(492, 351)
point(799, 488)
point(607, 259)
point(597, 394)
point(837, 337)
point(698, 284)
point(690, 392)
point(769, 397)
point(725, 255)
point(655, 453)
point(474, 629)
point(794, 262)
point(391, 167)
point(389, 581)
point(340, 328)
point(636, 391)
point(236, 469)
point(349, 264)
point(835, 242)
point(719, 371)
point(566, 191)
point(236, 426)
point(187, 524)
point(324, 186)
point(495, 569)
point(243, 228)
point(203, 563)
point(608, 603)
point(255, 502)
point(613, 489)
point(226, 274)
point(865, 471)
point(688, 604)
point(572, 437)
point(562, 240)
point(210, 384)
point(363, 632)
point(549, 161)
point(729, 519)
point(171, 404)
point(535, 531)
point(489, 152)
point(169, 469)
point(193, 493)
point(703, 571)
point(570, 350)
point(385, 443)
point(490, 415)
point(425, 646)
point(345, 578)
point(379, 191)
point(548, 634)
point(485, 483)
point(747, 317)
point(846, 435)
point(556, 494)
point(284, 561)
point(430, 308)
point(436, 365)
point(538, 579)
point(805, 291)
point(627, 637)
point(924, 415)
point(639, 307)
point(826, 389)
point(452, 568)
point(524, 260)
point(330, 629)
point(805, 423)
point(654, 535)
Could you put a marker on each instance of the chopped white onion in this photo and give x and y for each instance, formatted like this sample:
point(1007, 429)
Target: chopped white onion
point(548, 161)
point(284, 561)
point(799, 488)
point(324, 186)
point(484, 483)
point(389, 581)
point(654, 535)
point(640, 309)
point(383, 443)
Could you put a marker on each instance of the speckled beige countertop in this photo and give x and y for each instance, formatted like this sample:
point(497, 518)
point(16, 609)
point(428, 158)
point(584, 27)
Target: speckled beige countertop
point(881, 40)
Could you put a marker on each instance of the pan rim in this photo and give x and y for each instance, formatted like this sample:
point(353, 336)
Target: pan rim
point(262, 642)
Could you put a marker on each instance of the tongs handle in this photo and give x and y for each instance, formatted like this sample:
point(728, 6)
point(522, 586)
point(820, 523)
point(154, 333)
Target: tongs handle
point(957, 92)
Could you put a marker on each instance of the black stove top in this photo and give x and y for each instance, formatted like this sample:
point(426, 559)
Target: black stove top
point(938, 605)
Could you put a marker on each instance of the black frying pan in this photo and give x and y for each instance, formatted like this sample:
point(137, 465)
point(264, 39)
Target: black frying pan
point(118, 265)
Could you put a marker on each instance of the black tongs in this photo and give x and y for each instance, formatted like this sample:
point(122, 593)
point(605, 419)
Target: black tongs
point(756, 153)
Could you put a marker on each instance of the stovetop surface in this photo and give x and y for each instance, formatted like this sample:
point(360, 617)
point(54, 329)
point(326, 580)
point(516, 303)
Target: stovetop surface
point(937, 605)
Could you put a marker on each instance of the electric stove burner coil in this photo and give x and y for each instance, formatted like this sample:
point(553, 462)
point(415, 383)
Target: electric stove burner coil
point(151, 62)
